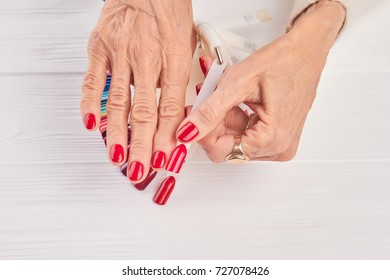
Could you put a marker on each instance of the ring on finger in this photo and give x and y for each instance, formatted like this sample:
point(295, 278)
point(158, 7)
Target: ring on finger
point(237, 156)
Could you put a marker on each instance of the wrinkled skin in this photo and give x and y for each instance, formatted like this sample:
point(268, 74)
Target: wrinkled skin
point(148, 44)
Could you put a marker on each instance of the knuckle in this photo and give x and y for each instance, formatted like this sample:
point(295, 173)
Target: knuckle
point(144, 50)
point(90, 83)
point(115, 129)
point(118, 100)
point(143, 113)
point(232, 76)
point(207, 113)
point(171, 109)
point(139, 146)
point(95, 38)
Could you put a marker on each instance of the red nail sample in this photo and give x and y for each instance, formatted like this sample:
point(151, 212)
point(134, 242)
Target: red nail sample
point(158, 159)
point(198, 88)
point(164, 191)
point(176, 161)
point(136, 171)
point(90, 121)
point(124, 168)
point(117, 153)
point(142, 186)
point(203, 66)
point(188, 132)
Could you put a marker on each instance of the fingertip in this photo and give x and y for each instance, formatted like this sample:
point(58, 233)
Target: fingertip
point(117, 154)
point(90, 121)
point(158, 160)
point(135, 172)
point(187, 132)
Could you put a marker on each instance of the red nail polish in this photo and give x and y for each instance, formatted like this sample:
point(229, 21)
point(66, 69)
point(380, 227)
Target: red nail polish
point(90, 121)
point(151, 175)
point(203, 66)
point(164, 191)
point(198, 88)
point(188, 132)
point(117, 153)
point(136, 171)
point(177, 159)
point(159, 159)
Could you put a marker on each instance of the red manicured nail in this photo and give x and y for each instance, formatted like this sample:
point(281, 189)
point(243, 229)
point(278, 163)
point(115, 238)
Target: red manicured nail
point(176, 161)
point(188, 132)
point(117, 153)
point(141, 186)
point(159, 159)
point(90, 121)
point(198, 88)
point(164, 191)
point(136, 171)
point(203, 66)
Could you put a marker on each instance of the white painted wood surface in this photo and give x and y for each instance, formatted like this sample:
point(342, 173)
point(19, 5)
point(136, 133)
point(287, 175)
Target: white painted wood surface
point(60, 198)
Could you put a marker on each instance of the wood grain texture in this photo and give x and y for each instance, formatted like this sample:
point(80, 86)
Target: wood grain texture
point(60, 198)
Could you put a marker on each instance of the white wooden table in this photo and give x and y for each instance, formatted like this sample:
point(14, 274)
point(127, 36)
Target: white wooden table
point(60, 198)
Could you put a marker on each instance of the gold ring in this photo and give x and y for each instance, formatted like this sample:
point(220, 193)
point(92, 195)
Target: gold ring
point(237, 156)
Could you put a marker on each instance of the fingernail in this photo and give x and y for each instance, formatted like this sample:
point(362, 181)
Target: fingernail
point(203, 66)
point(177, 159)
point(90, 121)
point(158, 159)
point(198, 88)
point(117, 153)
point(188, 132)
point(136, 171)
point(164, 191)
point(151, 175)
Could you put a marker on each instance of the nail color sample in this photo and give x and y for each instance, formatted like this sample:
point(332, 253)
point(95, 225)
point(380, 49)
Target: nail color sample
point(141, 186)
point(203, 66)
point(117, 153)
point(164, 191)
point(124, 168)
point(177, 159)
point(136, 171)
point(198, 88)
point(187, 132)
point(90, 121)
point(159, 159)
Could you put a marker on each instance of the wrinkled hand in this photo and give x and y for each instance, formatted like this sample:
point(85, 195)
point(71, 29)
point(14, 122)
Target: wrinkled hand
point(148, 44)
point(278, 82)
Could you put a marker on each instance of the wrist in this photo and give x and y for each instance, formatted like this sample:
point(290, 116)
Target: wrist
point(320, 24)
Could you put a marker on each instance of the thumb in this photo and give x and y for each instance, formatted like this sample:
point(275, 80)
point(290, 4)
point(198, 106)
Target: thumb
point(207, 116)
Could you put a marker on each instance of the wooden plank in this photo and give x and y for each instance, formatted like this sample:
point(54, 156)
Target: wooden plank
point(293, 210)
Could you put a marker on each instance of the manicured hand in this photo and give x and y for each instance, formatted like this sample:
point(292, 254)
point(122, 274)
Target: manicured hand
point(278, 82)
point(148, 44)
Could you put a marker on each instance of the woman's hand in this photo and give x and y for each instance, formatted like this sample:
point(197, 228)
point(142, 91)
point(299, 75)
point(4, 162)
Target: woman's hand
point(278, 82)
point(148, 44)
